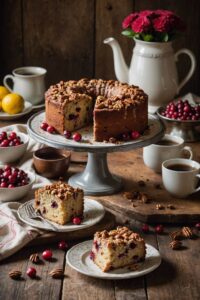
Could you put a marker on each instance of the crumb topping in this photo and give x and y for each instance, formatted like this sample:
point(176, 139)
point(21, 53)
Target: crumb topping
point(60, 189)
point(121, 234)
point(108, 94)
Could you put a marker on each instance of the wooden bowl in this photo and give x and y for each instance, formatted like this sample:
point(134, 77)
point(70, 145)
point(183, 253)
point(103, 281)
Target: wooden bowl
point(50, 162)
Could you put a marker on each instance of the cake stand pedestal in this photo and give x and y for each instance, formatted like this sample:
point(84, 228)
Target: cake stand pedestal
point(96, 179)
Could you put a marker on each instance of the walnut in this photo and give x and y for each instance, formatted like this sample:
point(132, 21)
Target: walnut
point(15, 274)
point(34, 258)
point(187, 232)
point(56, 273)
point(175, 245)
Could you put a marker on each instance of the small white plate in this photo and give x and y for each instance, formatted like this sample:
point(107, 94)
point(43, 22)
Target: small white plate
point(93, 213)
point(78, 258)
point(40, 105)
point(27, 109)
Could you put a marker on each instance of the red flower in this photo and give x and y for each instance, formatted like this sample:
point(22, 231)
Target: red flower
point(147, 13)
point(162, 24)
point(141, 24)
point(128, 20)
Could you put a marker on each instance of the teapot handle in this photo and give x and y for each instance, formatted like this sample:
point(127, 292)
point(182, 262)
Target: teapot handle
point(192, 68)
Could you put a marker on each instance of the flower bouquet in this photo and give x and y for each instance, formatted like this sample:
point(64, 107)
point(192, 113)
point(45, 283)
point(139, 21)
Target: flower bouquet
point(153, 25)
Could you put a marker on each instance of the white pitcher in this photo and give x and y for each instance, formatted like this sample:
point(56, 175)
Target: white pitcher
point(28, 82)
point(153, 68)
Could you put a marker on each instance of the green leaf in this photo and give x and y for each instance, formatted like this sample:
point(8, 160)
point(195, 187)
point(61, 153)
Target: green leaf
point(147, 37)
point(128, 33)
point(165, 37)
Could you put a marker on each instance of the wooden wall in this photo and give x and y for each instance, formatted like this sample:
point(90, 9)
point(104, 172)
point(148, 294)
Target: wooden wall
point(66, 36)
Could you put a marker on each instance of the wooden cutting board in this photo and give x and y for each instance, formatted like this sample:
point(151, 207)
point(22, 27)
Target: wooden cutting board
point(108, 222)
point(130, 166)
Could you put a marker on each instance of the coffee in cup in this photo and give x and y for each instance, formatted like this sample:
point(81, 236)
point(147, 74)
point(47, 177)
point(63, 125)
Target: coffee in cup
point(28, 82)
point(168, 147)
point(180, 176)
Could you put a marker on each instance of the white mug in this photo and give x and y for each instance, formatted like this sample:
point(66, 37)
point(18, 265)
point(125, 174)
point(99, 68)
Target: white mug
point(180, 176)
point(28, 82)
point(169, 147)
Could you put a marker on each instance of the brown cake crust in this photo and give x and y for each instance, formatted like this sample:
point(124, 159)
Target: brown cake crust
point(118, 107)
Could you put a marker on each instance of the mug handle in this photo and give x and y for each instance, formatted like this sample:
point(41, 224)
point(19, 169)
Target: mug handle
point(189, 150)
point(5, 81)
point(192, 68)
point(197, 189)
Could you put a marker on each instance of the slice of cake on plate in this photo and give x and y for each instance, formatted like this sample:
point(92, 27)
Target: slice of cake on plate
point(117, 248)
point(59, 202)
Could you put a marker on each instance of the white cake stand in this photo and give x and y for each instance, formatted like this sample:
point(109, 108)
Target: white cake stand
point(96, 179)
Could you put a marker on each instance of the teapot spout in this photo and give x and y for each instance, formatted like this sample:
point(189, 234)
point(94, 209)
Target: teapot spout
point(121, 69)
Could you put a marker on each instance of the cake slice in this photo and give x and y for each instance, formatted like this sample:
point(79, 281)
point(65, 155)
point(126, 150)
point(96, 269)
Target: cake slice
point(117, 248)
point(59, 202)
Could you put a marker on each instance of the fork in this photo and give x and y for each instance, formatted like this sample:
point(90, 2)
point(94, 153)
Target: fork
point(33, 214)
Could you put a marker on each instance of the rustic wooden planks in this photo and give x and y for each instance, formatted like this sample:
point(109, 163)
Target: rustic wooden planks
point(109, 17)
point(59, 36)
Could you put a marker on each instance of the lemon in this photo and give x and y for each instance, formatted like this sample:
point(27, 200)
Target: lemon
point(3, 93)
point(13, 103)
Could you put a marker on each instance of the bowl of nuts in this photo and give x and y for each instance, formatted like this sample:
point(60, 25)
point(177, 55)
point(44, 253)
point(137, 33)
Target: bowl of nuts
point(14, 183)
point(13, 145)
point(182, 119)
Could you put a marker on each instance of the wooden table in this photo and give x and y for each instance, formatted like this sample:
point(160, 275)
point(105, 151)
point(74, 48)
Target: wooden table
point(176, 278)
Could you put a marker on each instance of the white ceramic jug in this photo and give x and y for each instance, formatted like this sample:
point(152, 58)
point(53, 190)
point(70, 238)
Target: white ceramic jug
point(153, 68)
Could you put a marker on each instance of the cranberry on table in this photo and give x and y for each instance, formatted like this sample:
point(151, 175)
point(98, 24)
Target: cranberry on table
point(145, 228)
point(76, 221)
point(31, 272)
point(77, 137)
point(47, 254)
point(159, 229)
point(62, 245)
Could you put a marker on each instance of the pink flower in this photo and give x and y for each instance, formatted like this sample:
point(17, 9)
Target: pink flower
point(128, 20)
point(162, 24)
point(147, 13)
point(141, 24)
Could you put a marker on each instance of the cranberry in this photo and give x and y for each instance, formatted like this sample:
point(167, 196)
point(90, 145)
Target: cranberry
point(6, 174)
point(5, 143)
point(67, 134)
point(50, 129)
point(76, 221)
point(145, 228)
point(12, 135)
point(11, 186)
point(77, 137)
point(92, 255)
point(7, 168)
point(197, 226)
point(159, 229)
point(4, 135)
point(62, 245)
point(11, 179)
point(44, 126)
point(31, 272)
point(47, 254)
point(135, 135)
point(17, 143)
point(4, 185)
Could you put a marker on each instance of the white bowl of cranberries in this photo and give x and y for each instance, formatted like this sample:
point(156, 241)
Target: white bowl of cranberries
point(13, 145)
point(15, 183)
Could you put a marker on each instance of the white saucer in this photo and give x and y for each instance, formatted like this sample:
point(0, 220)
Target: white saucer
point(40, 105)
point(27, 109)
point(78, 258)
point(93, 213)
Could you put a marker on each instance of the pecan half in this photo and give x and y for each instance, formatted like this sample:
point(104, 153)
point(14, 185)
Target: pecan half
point(15, 274)
point(34, 258)
point(176, 235)
point(175, 245)
point(187, 232)
point(57, 273)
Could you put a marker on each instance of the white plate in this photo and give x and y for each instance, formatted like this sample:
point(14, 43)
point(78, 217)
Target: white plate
point(78, 258)
point(39, 105)
point(93, 213)
point(27, 108)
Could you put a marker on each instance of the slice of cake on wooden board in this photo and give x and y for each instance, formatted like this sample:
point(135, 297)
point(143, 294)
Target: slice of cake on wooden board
point(117, 248)
point(59, 202)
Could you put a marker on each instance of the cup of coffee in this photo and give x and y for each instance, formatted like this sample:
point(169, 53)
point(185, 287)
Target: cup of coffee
point(28, 82)
point(168, 147)
point(180, 176)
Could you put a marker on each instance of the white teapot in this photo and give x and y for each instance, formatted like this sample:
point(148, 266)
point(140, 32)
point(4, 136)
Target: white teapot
point(153, 68)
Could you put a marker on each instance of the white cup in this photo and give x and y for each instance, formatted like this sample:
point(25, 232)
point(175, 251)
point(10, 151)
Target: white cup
point(155, 154)
point(180, 183)
point(28, 82)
